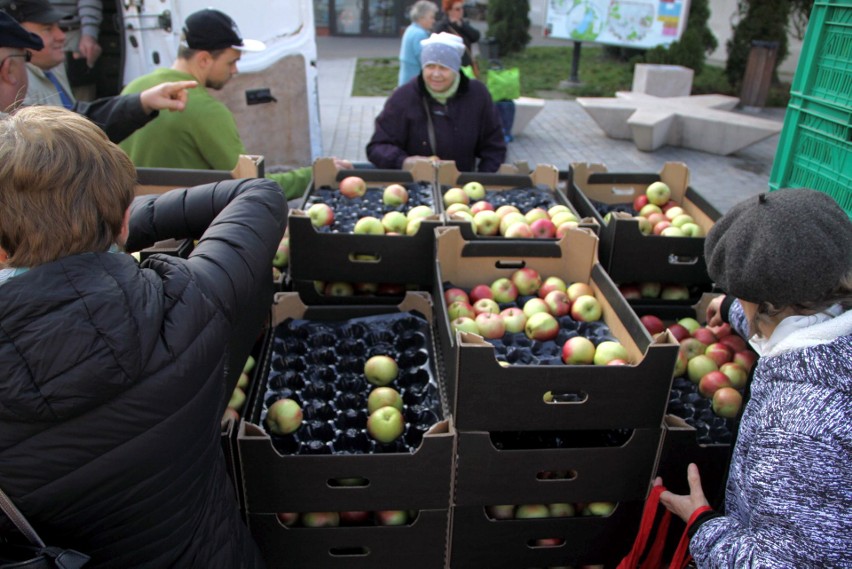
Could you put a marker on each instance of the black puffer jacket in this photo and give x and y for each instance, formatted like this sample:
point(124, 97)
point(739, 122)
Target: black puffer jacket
point(112, 385)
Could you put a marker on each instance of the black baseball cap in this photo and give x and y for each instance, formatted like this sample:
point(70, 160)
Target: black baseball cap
point(12, 34)
point(36, 11)
point(210, 30)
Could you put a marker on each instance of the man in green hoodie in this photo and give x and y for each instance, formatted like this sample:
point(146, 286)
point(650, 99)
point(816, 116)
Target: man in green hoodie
point(205, 135)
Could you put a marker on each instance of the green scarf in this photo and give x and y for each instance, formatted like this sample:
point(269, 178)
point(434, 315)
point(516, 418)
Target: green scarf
point(443, 97)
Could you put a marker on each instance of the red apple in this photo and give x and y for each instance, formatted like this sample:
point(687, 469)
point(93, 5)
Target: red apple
point(712, 382)
point(481, 205)
point(578, 350)
point(460, 308)
point(504, 290)
point(480, 291)
point(719, 353)
point(527, 280)
point(727, 402)
point(653, 324)
point(558, 303)
point(735, 342)
point(705, 336)
point(353, 187)
point(519, 230)
point(543, 229)
point(746, 358)
point(639, 202)
point(679, 332)
point(551, 283)
point(453, 294)
point(630, 291)
point(288, 519)
point(394, 195)
point(355, 518)
point(577, 289)
point(661, 226)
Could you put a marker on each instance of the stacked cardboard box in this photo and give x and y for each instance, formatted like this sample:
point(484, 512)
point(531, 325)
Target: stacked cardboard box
point(611, 431)
point(417, 483)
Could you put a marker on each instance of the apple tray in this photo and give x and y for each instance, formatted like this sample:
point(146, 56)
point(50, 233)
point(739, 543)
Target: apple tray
point(386, 293)
point(538, 189)
point(420, 545)
point(627, 254)
point(621, 470)
point(478, 541)
point(486, 396)
point(334, 253)
point(413, 472)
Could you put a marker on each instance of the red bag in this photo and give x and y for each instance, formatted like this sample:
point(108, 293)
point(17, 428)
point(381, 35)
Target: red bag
point(653, 559)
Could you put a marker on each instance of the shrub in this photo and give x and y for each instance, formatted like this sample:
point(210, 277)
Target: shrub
point(508, 24)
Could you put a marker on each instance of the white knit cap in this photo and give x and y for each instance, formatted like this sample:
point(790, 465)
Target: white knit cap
point(443, 49)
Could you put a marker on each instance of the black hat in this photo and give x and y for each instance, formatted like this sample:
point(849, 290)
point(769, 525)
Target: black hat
point(36, 11)
point(13, 35)
point(210, 30)
point(784, 247)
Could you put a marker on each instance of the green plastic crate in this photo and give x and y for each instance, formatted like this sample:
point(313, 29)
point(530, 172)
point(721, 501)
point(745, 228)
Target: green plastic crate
point(815, 150)
point(825, 63)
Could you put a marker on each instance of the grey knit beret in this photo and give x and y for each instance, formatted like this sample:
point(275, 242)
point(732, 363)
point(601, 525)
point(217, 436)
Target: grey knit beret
point(784, 247)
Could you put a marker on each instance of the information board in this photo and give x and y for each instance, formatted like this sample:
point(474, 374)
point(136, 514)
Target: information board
point(629, 23)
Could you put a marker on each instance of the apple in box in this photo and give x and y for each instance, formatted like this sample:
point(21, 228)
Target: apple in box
point(321, 215)
point(607, 351)
point(490, 325)
point(534, 306)
point(381, 370)
point(578, 350)
point(486, 305)
point(383, 397)
point(284, 417)
point(353, 187)
point(586, 308)
point(514, 319)
point(464, 324)
point(658, 193)
point(475, 191)
point(395, 195)
point(487, 222)
point(385, 424)
point(455, 293)
point(504, 290)
point(727, 402)
point(541, 326)
point(481, 291)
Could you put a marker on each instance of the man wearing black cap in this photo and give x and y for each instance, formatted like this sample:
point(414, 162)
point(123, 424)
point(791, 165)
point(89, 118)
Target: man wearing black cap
point(48, 81)
point(118, 116)
point(205, 135)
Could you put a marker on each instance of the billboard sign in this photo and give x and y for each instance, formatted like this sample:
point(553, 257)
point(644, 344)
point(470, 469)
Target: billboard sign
point(637, 24)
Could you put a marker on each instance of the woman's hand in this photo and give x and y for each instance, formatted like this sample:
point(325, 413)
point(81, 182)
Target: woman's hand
point(684, 506)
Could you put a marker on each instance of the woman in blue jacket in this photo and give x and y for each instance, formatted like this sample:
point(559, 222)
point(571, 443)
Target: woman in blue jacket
point(422, 16)
point(785, 260)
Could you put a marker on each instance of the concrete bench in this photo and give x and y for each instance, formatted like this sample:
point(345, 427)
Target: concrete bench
point(700, 122)
point(526, 109)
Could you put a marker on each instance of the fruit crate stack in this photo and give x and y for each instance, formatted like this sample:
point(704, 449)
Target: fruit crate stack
point(554, 460)
point(815, 147)
point(326, 482)
point(367, 234)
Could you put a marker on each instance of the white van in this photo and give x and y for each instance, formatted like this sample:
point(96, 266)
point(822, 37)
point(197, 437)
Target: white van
point(274, 97)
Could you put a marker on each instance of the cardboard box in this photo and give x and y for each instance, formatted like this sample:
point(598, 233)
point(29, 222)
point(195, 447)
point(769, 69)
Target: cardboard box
point(161, 180)
point(345, 256)
point(275, 482)
point(486, 475)
point(627, 254)
point(478, 541)
point(486, 396)
point(543, 180)
point(363, 293)
point(421, 545)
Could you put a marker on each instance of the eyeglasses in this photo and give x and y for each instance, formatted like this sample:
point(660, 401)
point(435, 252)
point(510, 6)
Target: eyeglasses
point(457, 8)
point(27, 55)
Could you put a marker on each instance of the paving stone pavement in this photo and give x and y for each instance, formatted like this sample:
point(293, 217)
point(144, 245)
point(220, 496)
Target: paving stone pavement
point(560, 134)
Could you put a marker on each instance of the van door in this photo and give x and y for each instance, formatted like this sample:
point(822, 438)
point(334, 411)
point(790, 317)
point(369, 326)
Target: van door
point(273, 97)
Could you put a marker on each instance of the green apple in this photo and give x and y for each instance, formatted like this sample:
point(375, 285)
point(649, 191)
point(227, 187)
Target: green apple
point(455, 195)
point(383, 397)
point(658, 193)
point(284, 417)
point(385, 424)
point(381, 370)
point(474, 190)
point(395, 222)
point(395, 195)
point(321, 214)
point(607, 351)
point(369, 225)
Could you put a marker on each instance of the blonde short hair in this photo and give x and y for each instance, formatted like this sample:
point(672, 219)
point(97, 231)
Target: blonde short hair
point(64, 187)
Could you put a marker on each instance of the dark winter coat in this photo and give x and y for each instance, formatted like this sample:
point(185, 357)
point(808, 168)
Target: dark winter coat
point(789, 494)
point(113, 382)
point(467, 128)
point(118, 116)
point(468, 33)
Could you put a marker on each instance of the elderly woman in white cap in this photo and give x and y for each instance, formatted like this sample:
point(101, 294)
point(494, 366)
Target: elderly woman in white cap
point(785, 260)
point(422, 16)
point(442, 114)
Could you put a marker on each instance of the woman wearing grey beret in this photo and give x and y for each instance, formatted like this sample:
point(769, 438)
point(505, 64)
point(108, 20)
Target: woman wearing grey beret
point(785, 261)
